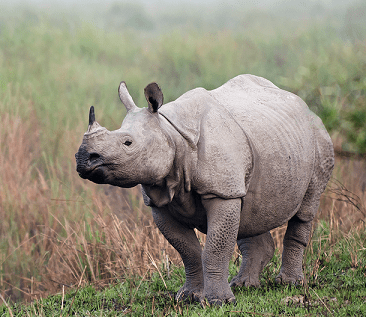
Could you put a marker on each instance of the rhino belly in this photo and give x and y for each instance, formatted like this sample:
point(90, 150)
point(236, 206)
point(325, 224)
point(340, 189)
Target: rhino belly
point(270, 203)
point(281, 175)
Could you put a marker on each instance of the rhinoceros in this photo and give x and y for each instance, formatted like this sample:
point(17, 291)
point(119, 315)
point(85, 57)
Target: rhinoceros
point(234, 163)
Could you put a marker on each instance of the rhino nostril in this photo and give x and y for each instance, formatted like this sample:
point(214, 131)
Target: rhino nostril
point(93, 157)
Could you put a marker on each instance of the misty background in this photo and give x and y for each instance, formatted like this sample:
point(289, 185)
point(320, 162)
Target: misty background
point(163, 15)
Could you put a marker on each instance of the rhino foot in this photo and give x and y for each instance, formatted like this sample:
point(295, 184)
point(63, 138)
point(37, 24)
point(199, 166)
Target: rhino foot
point(283, 278)
point(246, 281)
point(218, 296)
point(188, 294)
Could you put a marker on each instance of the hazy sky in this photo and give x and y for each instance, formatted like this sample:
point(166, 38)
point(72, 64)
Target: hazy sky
point(205, 2)
point(162, 3)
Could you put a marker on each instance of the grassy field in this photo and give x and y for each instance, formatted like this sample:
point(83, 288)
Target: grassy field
point(334, 286)
point(60, 233)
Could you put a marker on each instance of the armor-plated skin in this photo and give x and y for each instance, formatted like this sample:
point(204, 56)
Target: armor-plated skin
point(234, 162)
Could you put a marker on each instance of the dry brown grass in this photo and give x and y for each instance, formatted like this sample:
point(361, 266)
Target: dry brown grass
point(58, 230)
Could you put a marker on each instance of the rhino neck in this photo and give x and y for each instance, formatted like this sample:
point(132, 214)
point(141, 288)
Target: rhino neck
point(177, 184)
point(185, 155)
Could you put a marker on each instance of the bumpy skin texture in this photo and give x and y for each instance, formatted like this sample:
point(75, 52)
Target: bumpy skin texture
point(234, 162)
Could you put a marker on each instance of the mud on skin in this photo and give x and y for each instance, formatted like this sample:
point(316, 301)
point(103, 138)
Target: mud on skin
point(233, 162)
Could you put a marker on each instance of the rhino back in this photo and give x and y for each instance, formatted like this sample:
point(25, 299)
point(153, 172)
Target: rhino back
point(282, 131)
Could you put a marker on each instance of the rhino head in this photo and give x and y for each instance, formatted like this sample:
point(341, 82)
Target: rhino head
point(140, 152)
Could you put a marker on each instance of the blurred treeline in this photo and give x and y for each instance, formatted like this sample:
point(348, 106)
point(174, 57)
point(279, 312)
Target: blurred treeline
point(315, 49)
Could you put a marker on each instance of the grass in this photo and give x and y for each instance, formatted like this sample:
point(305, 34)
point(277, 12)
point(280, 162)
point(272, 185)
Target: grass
point(334, 286)
point(59, 233)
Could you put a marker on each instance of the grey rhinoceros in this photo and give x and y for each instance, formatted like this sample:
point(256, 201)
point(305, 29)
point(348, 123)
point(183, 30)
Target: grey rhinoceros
point(233, 162)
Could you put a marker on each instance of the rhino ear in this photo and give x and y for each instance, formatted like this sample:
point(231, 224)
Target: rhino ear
point(125, 96)
point(154, 96)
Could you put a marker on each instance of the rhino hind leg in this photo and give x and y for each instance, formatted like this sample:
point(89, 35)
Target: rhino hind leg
point(256, 253)
point(297, 237)
point(294, 243)
point(299, 227)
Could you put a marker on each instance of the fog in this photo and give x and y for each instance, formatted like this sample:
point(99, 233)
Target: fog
point(284, 5)
point(198, 12)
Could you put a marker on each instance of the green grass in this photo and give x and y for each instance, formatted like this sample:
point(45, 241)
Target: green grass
point(335, 288)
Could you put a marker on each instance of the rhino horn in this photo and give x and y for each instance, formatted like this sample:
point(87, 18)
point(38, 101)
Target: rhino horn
point(125, 96)
point(93, 125)
point(91, 115)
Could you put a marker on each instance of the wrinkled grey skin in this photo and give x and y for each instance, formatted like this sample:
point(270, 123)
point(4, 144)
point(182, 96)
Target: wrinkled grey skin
point(234, 162)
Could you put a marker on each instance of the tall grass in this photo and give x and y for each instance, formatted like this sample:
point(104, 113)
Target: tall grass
point(59, 230)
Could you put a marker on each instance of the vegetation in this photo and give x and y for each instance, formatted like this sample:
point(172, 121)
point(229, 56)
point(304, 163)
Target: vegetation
point(335, 279)
point(59, 233)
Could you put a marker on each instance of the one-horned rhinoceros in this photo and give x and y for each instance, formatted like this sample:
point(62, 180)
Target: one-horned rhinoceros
point(233, 162)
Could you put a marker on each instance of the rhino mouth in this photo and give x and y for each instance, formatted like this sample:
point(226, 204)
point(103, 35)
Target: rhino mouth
point(96, 174)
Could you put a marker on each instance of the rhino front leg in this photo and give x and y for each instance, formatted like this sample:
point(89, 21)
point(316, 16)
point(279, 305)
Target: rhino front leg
point(256, 252)
point(185, 241)
point(223, 217)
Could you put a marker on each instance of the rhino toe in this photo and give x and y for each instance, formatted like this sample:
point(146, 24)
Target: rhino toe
point(283, 278)
point(217, 302)
point(186, 294)
point(218, 296)
point(247, 281)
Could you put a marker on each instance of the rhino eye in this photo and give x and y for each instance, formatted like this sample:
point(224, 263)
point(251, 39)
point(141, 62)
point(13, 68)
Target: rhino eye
point(128, 143)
